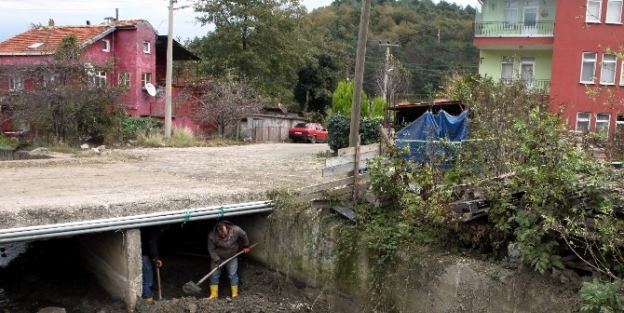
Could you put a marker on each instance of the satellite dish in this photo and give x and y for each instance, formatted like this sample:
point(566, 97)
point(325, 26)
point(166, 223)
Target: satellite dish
point(150, 89)
point(282, 107)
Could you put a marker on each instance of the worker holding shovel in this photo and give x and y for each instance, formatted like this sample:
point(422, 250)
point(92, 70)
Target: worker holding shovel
point(223, 243)
point(150, 237)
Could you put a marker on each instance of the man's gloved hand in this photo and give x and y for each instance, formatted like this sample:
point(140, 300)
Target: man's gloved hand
point(216, 264)
point(246, 249)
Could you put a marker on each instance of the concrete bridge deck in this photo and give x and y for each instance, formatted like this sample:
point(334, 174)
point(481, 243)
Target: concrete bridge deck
point(67, 189)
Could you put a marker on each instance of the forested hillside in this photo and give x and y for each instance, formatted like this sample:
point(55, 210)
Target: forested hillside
point(298, 58)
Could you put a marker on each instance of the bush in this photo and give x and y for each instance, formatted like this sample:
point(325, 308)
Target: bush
point(132, 127)
point(182, 137)
point(338, 128)
point(597, 297)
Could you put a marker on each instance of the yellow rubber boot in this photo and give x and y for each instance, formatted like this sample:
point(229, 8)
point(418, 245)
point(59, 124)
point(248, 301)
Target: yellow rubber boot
point(234, 291)
point(214, 291)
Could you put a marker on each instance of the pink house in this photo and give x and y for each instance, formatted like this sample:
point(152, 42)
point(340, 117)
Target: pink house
point(138, 55)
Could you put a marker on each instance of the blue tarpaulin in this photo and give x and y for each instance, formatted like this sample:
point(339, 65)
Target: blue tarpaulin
point(432, 135)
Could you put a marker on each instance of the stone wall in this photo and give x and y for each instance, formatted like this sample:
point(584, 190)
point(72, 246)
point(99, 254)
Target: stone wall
point(11, 155)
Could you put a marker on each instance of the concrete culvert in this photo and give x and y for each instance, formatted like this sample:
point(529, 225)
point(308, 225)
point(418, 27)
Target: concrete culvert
point(52, 273)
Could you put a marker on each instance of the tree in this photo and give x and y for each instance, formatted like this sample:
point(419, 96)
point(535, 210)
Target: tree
point(316, 82)
point(225, 102)
point(393, 79)
point(258, 40)
point(343, 100)
point(65, 95)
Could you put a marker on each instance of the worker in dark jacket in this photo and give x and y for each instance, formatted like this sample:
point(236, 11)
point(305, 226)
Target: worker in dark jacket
point(223, 242)
point(150, 236)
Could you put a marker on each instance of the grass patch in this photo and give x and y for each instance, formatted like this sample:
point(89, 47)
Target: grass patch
point(6, 142)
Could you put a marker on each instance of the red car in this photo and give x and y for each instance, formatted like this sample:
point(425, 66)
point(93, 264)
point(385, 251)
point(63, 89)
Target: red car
point(311, 132)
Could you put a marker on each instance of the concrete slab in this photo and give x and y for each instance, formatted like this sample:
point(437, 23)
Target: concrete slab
point(66, 189)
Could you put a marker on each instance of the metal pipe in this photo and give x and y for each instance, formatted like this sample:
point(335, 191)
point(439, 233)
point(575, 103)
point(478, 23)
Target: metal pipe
point(131, 220)
point(157, 214)
point(111, 228)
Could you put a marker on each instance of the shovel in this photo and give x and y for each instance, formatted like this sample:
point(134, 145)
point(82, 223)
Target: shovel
point(192, 287)
point(158, 282)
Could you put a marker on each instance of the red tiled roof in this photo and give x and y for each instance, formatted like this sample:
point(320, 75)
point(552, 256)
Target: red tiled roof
point(50, 37)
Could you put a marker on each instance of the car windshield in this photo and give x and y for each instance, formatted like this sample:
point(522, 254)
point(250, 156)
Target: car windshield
point(301, 125)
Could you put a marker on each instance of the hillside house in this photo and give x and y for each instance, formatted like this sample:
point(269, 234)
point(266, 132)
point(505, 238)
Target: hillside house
point(562, 49)
point(138, 55)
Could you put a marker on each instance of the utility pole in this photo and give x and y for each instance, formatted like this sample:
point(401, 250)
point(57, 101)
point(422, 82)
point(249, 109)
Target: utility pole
point(387, 69)
point(359, 74)
point(385, 82)
point(169, 72)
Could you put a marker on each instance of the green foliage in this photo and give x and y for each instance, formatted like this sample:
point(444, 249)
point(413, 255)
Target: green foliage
point(132, 127)
point(260, 41)
point(343, 100)
point(338, 128)
point(338, 131)
point(7, 142)
point(377, 107)
point(315, 84)
point(599, 297)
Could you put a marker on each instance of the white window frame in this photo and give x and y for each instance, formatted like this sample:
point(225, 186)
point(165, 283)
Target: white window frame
point(593, 17)
point(608, 68)
point(601, 122)
point(584, 117)
point(614, 10)
point(619, 122)
point(123, 79)
point(145, 78)
point(105, 45)
point(622, 74)
point(511, 6)
point(97, 78)
point(586, 59)
point(16, 83)
point(49, 79)
point(507, 61)
point(147, 47)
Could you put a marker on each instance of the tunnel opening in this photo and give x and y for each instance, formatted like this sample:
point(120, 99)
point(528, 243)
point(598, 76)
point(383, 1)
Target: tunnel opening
point(52, 273)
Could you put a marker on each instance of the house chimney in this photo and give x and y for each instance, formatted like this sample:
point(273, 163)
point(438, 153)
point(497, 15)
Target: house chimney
point(88, 22)
point(50, 23)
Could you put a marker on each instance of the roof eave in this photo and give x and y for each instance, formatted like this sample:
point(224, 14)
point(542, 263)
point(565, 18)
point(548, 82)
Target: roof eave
point(98, 37)
point(25, 53)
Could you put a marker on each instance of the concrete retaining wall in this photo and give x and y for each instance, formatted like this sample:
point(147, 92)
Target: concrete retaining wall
point(303, 244)
point(114, 259)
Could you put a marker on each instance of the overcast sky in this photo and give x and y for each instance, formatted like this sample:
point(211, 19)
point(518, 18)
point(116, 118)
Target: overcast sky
point(16, 16)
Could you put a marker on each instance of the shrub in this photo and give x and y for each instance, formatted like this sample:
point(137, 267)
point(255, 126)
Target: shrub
point(338, 128)
point(132, 127)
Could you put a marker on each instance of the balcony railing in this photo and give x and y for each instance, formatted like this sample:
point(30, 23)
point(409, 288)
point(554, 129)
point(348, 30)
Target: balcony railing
point(538, 86)
point(521, 29)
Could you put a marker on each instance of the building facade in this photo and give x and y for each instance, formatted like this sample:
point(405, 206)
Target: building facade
point(566, 49)
point(136, 56)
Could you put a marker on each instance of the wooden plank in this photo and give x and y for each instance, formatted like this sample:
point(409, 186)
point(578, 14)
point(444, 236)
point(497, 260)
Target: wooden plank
point(339, 160)
point(351, 150)
point(325, 186)
point(343, 169)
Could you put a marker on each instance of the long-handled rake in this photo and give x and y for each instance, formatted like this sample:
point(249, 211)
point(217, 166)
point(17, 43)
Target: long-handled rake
point(192, 287)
